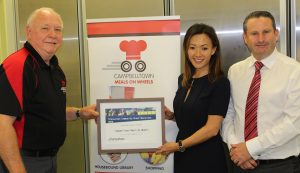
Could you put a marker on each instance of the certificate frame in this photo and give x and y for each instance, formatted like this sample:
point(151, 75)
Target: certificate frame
point(130, 125)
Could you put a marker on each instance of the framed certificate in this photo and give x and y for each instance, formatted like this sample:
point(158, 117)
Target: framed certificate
point(130, 125)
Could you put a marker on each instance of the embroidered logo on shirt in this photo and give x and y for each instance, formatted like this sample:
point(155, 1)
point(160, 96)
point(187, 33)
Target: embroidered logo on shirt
point(63, 86)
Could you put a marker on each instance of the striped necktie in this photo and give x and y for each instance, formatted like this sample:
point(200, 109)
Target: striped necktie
point(252, 103)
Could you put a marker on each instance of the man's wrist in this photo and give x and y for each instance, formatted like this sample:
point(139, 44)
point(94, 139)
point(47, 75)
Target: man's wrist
point(254, 148)
point(77, 113)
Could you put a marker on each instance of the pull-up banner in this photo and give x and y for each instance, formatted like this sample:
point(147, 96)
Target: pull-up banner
point(133, 58)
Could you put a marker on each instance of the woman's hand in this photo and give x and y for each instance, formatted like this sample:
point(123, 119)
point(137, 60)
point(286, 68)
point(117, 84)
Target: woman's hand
point(167, 148)
point(168, 114)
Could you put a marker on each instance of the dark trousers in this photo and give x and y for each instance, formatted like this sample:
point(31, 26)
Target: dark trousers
point(2, 167)
point(36, 164)
point(286, 166)
point(40, 164)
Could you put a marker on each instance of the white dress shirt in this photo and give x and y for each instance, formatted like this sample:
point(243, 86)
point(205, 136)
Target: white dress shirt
point(278, 114)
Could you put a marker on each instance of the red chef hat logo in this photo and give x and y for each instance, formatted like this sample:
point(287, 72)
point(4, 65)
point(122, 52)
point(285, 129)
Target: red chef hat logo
point(133, 48)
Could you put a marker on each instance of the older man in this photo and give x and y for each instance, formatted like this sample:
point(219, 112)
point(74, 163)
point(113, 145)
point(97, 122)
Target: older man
point(33, 109)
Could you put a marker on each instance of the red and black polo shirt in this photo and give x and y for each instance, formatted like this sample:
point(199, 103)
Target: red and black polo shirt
point(34, 93)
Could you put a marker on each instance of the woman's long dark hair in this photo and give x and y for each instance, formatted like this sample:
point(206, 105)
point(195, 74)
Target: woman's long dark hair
point(215, 70)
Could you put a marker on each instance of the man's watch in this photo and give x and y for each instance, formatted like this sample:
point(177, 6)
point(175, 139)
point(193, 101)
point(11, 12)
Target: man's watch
point(180, 146)
point(77, 113)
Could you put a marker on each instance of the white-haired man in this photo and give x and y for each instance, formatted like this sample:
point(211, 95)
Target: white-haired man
point(33, 110)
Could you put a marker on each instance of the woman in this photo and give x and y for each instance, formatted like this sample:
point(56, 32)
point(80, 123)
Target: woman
point(200, 105)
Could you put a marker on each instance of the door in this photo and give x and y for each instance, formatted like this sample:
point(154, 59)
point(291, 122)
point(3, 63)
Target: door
point(297, 29)
point(227, 18)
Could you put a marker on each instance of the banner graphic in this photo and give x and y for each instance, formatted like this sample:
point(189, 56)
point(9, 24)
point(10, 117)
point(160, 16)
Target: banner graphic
point(133, 58)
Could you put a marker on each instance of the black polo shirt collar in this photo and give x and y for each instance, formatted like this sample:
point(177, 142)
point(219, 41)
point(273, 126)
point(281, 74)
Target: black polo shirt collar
point(36, 55)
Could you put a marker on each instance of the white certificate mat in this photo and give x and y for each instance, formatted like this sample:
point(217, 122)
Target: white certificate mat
point(130, 125)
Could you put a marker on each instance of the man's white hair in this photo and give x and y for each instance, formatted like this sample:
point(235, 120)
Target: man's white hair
point(33, 15)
